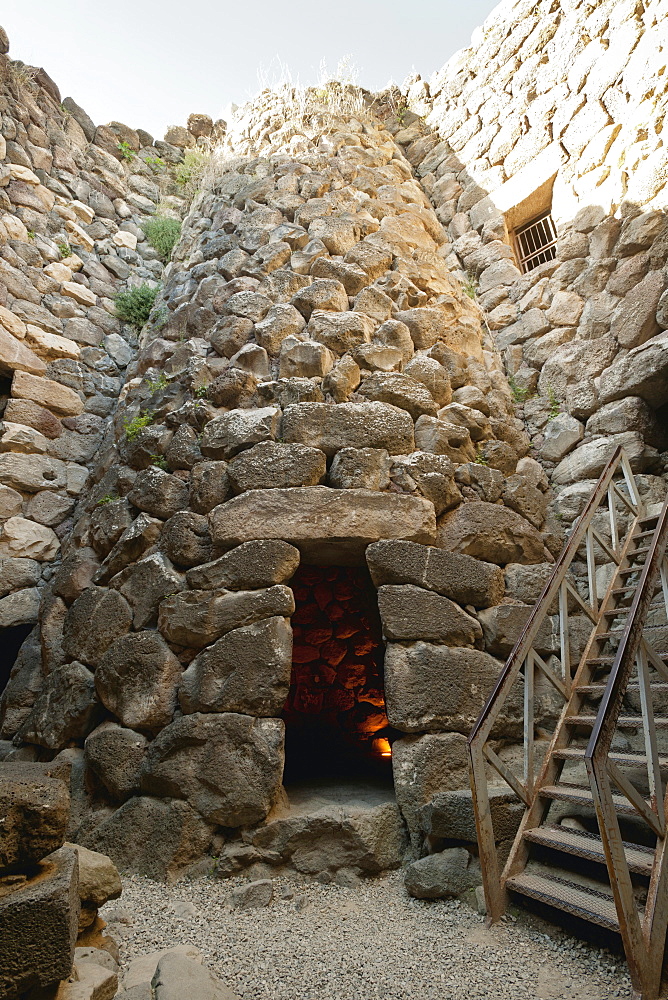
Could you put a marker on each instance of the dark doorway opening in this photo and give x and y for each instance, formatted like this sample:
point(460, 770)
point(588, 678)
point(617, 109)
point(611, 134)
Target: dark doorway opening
point(336, 726)
point(11, 640)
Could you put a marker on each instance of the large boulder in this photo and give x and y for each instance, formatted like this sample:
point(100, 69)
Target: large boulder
point(272, 464)
point(198, 617)
point(642, 372)
point(177, 976)
point(349, 425)
point(490, 532)
point(459, 577)
point(430, 688)
point(158, 838)
point(423, 766)
point(39, 920)
point(589, 460)
point(409, 612)
point(35, 809)
point(114, 755)
point(449, 814)
point(228, 767)
point(442, 876)
point(144, 584)
point(326, 525)
point(66, 708)
point(247, 671)
point(158, 493)
point(254, 564)
point(136, 681)
point(230, 432)
point(93, 622)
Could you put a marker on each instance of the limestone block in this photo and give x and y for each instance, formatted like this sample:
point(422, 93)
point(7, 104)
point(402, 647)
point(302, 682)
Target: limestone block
point(323, 294)
point(114, 755)
point(248, 305)
point(253, 894)
point(66, 708)
point(635, 321)
point(282, 321)
point(47, 393)
point(177, 976)
point(434, 688)
point(525, 499)
point(399, 390)
point(50, 345)
point(352, 277)
point(228, 767)
point(18, 573)
point(589, 460)
point(395, 334)
point(197, 618)
point(22, 537)
point(35, 809)
point(11, 502)
point(136, 680)
point(503, 625)
point(12, 323)
point(433, 377)
point(16, 356)
point(566, 309)
point(20, 438)
point(271, 464)
point(450, 814)
point(84, 296)
point(343, 379)
point(475, 422)
point(360, 468)
point(19, 608)
point(375, 304)
point(459, 577)
point(574, 363)
point(38, 925)
point(440, 437)
point(246, 671)
point(253, 359)
point(642, 372)
point(230, 432)
point(561, 435)
point(58, 271)
point(99, 880)
point(409, 613)
point(349, 425)
point(373, 260)
point(305, 360)
point(158, 838)
point(488, 531)
point(325, 524)
point(107, 524)
point(339, 331)
point(629, 414)
point(255, 564)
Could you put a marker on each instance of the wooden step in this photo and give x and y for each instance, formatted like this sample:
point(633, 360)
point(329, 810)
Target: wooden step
point(590, 846)
point(624, 721)
point(589, 904)
point(583, 796)
point(617, 756)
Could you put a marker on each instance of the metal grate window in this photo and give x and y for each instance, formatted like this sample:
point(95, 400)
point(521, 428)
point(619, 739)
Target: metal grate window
point(536, 242)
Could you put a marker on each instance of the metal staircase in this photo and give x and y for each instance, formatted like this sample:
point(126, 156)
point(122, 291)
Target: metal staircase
point(592, 840)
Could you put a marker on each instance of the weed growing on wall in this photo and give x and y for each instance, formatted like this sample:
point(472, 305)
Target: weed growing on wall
point(126, 151)
point(163, 235)
point(138, 422)
point(134, 306)
point(189, 173)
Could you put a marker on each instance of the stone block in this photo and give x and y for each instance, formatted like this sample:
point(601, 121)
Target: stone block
point(230, 432)
point(326, 525)
point(19, 608)
point(275, 465)
point(360, 468)
point(450, 814)
point(339, 332)
point(423, 766)
point(459, 577)
point(589, 460)
point(66, 708)
point(488, 531)
point(59, 398)
point(253, 895)
point(197, 618)
point(136, 680)
point(561, 435)
point(177, 976)
point(399, 390)
point(254, 564)
point(92, 623)
point(16, 356)
point(38, 926)
point(35, 810)
point(409, 613)
point(32, 473)
point(228, 767)
point(642, 372)
point(442, 876)
point(99, 880)
point(114, 756)
point(158, 493)
point(186, 540)
point(349, 425)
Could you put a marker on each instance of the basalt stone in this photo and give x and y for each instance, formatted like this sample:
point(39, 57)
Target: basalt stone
point(326, 525)
point(432, 688)
point(95, 619)
point(234, 388)
point(66, 709)
point(449, 814)
point(491, 532)
point(255, 564)
point(209, 486)
point(158, 838)
point(230, 432)
point(459, 577)
point(360, 468)
point(107, 524)
point(400, 390)
point(271, 464)
point(409, 612)
point(247, 671)
point(158, 493)
point(140, 536)
point(35, 808)
point(38, 926)
point(197, 618)
point(144, 584)
point(114, 756)
point(228, 767)
point(186, 539)
point(136, 680)
point(443, 875)
point(423, 766)
point(349, 425)
point(23, 686)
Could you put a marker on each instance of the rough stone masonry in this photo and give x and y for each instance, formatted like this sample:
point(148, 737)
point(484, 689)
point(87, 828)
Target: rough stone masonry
point(344, 366)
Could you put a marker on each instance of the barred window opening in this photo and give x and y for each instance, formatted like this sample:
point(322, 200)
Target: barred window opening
point(536, 242)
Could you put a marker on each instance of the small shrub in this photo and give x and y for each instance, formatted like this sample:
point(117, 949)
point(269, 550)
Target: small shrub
point(520, 393)
point(470, 287)
point(108, 498)
point(163, 234)
point(480, 458)
point(64, 249)
point(160, 462)
point(126, 151)
point(134, 426)
point(189, 173)
point(555, 405)
point(155, 385)
point(156, 162)
point(200, 392)
point(31, 234)
point(134, 306)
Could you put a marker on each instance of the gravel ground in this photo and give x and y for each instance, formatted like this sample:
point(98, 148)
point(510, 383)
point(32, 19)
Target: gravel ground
point(372, 942)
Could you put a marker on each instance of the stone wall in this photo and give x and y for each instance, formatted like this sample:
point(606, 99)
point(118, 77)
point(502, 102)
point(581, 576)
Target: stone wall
point(72, 201)
point(562, 105)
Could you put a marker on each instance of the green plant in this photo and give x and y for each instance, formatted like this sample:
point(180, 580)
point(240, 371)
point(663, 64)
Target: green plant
point(155, 161)
point(163, 234)
point(134, 305)
point(31, 234)
point(64, 249)
point(155, 385)
point(138, 422)
point(107, 498)
point(555, 405)
point(200, 391)
point(470, 286)
point(401, 113)
point(126, 150)
point(520, 393)
point(189, 173)
point(480, 458)
point(160, 462)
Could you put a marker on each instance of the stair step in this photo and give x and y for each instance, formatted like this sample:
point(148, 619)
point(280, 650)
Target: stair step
point(601, 661)
point(589, 904)
point(589, 845)
point(639, 552)
point(624, 721)
point(598, 689)
point(583, 796)
point(644, 534)
point(618, 756)
point(616, 612)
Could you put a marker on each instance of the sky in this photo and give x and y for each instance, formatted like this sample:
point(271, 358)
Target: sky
point(150, 63)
